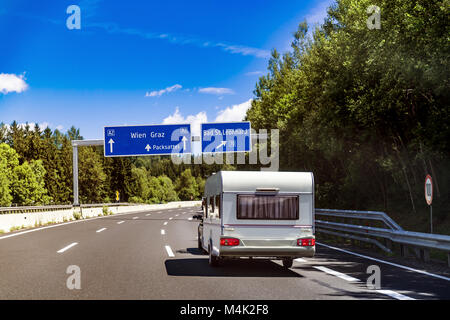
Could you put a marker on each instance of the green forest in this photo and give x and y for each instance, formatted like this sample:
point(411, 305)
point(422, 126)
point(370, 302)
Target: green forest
point(36, 169)
point(366, 110)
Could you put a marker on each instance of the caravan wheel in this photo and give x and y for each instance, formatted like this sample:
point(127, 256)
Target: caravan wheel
point(287, 262)
point(213, 260)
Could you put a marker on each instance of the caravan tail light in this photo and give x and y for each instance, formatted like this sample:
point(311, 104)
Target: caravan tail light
point(308, 242)
point(229, 242)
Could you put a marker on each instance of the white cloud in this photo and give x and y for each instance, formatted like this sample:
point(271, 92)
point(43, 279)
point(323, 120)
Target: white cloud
point(42, 126)
point(244, 50)
point(12, 83)
point(254, 73)
point(194, 120)
point(234, 113)
point(318, 13)
point(163, 91)
point(217, 91)
point(184, 40)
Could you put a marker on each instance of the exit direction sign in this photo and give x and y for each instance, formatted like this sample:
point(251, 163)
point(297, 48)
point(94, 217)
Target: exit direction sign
point(126, 141)
point(226, 137)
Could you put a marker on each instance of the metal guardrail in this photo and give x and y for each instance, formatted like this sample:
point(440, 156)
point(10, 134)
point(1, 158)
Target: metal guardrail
point(31, 209)
point(393, 232)
point(367, 215)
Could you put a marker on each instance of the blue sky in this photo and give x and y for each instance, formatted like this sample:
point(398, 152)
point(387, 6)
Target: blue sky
point(139, 62)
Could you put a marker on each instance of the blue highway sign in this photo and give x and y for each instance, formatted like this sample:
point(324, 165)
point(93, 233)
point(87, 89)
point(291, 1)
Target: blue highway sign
point(124, 141)
point(226, 137)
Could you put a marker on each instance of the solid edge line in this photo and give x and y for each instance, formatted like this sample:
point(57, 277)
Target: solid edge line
point(169, 251)
point(395, 295)
point(67, 247)
point(386, 262)
point(337, 274)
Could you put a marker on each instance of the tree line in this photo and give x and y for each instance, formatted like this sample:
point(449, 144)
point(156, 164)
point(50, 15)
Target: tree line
point(366, 110)
point(36, 169)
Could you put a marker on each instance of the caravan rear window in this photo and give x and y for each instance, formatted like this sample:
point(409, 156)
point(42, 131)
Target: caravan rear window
point(267, 207)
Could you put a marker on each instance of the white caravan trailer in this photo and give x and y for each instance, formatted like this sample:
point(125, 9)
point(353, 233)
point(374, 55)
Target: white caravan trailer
point(258, 214)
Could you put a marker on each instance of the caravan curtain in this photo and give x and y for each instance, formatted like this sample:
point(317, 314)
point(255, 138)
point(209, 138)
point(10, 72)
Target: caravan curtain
point(265, 207)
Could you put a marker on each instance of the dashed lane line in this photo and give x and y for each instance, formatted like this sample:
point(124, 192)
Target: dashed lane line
point(100, 230)
point(163, 232)
point(169, 251)
point(67, 247)
point(120, 222)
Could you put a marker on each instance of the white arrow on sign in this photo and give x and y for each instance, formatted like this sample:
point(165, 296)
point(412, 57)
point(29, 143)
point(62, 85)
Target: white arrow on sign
point(148, 148)
point(111, 142)
point(222, 144)
point(184, 142)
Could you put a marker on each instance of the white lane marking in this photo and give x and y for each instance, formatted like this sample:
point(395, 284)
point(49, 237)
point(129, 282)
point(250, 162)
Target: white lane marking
point(69, 222)
point(395, 295)
point(134, 218)
point(176, 215)
point(169, 251)
point(120, 222)
point(386, 262)
point(337, 274)
point(165, 223)
point(300, 260)
point(163, 232)
point(100, 230)
point(148, 214)
point(170, 218)
point(190, 219)
point(66, 223)
point(67, 248)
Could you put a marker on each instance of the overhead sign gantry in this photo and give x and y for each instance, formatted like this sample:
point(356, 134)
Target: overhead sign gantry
point(171, 139)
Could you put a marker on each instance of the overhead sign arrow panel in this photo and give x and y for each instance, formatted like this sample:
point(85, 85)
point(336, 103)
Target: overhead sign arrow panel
point(226, 137)
point(111, 143)
point(125, 141)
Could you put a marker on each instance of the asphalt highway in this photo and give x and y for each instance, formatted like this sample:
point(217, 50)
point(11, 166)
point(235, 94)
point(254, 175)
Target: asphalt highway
point(154, 255)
